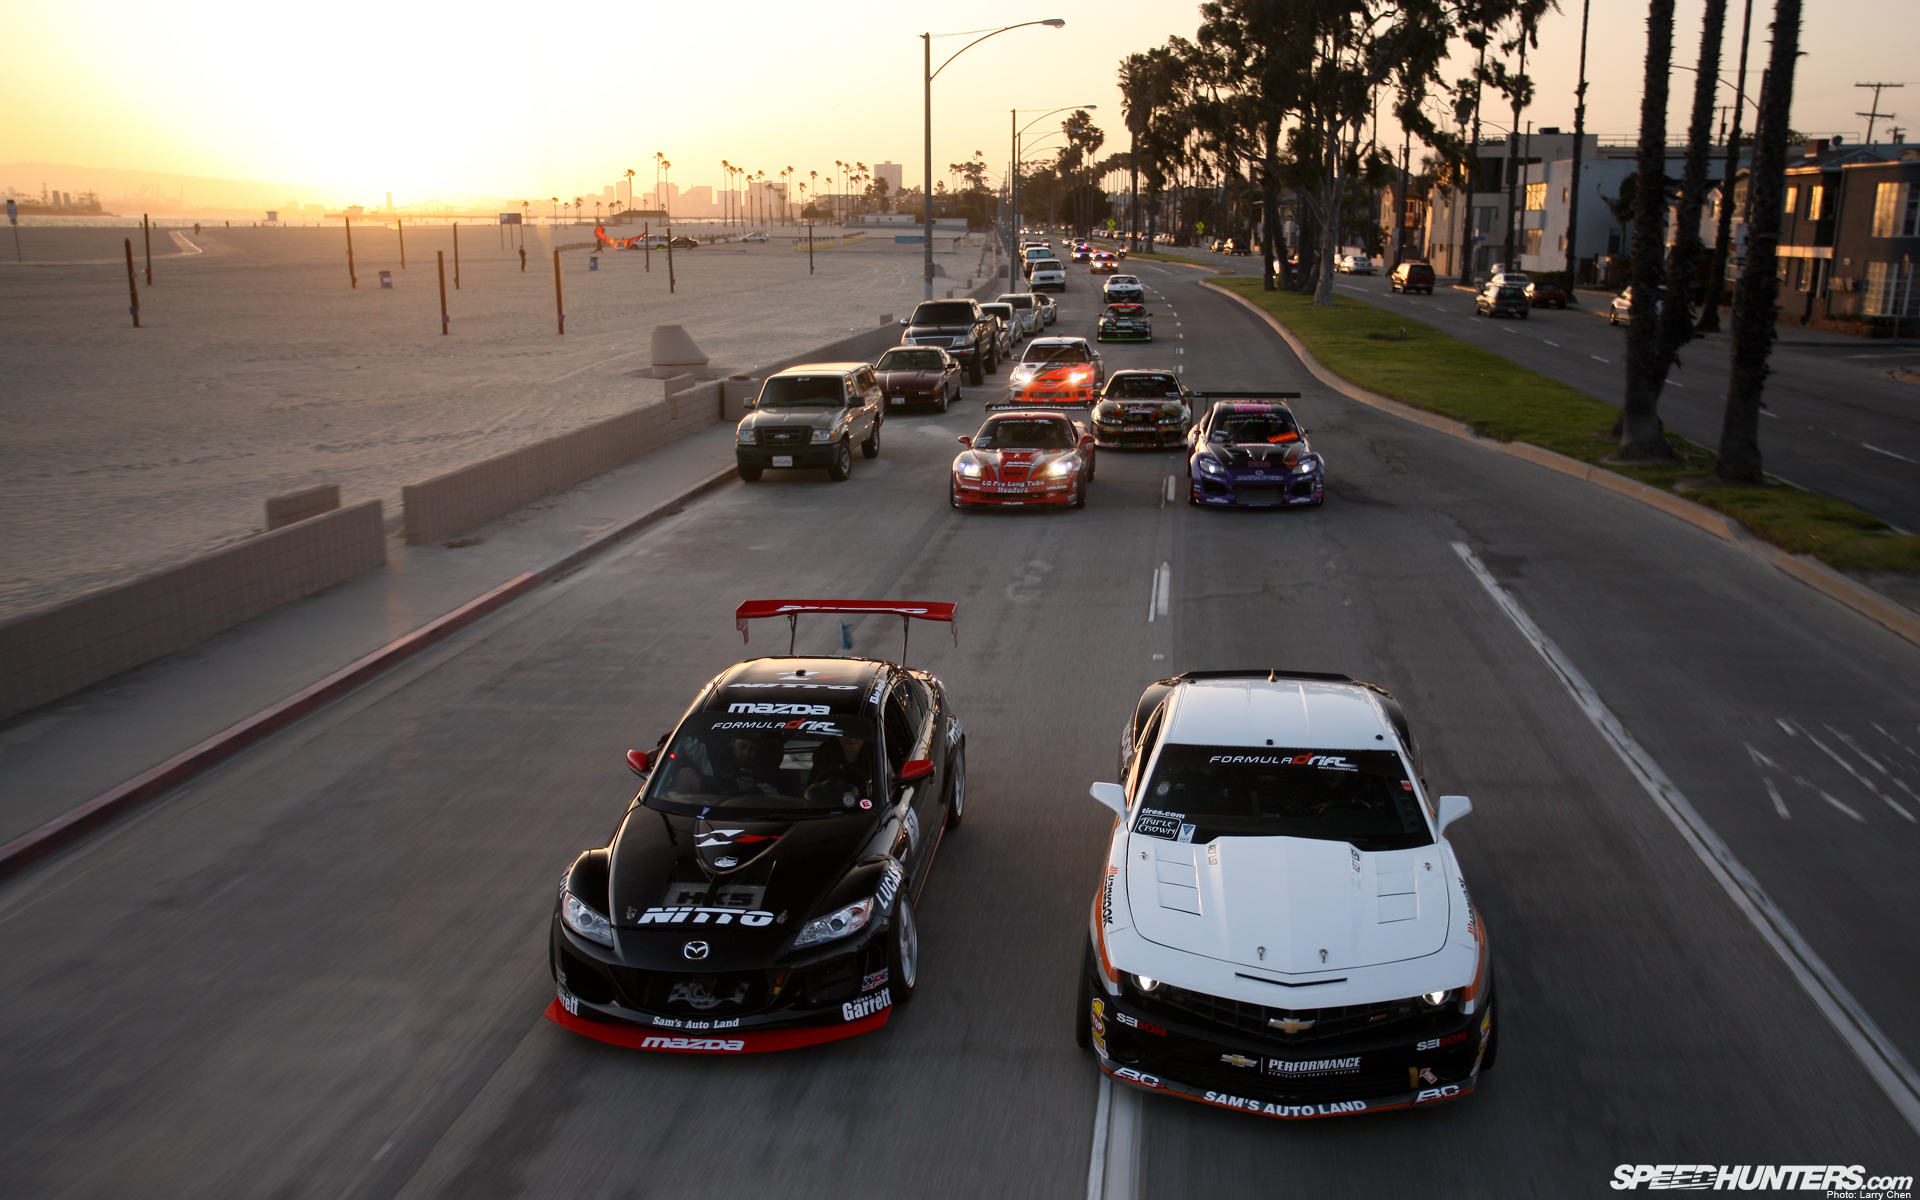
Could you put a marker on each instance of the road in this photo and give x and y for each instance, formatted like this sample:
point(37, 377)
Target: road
point(319, 971)
point(1834, 421)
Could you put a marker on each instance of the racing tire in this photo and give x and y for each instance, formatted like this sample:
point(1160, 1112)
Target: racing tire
point(953, 497)
point(871, 447)
point(1083, 1003)
point(842, 465)
point(1080, 495)
point(975, 375)
point(1093, 465)
point(903, 950)
point(1613, 318)
point(957, 798)
point(1493, 1044)
point(750, 474)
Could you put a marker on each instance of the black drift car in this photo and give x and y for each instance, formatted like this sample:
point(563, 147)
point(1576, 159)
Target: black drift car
point(758, 893)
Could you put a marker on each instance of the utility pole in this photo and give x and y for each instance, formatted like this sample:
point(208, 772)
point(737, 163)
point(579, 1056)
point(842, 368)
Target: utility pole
point(1723, 237)
point(1876, 114)
point(1579, 139)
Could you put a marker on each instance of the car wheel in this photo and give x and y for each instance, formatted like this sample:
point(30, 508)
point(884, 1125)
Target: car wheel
point(1093, 465)
point(871, 447)
point(903, 950)
point(1524, 315)
point(1080, 494)
point(750, 474)
point(957, 800)
point(1613, 318)
point(946, 394)
point(975, 375)
point(842, 465)
point(1083, 1004)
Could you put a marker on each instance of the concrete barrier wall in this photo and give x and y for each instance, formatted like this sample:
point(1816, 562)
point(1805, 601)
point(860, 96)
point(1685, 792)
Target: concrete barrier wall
point(299, 506)
point(446, 504)
point(51, 652)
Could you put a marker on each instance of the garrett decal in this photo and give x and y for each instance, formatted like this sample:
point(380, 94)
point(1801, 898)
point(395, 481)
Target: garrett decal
point(866, 1006)
point(681, 914)
point(685, 1043)
point(1152, 822)
point(1287, 1110)
point(568, 1002)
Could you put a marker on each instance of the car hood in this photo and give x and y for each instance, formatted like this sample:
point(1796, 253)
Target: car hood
point(916, 377)
point(816, 418)
point(957, 330)
point(1288, 905)
point(1258, 455)
point(779, 871)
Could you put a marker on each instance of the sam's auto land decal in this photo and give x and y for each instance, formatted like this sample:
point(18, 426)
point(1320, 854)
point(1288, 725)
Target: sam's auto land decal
point(1153, 822)
point(1286, 1110)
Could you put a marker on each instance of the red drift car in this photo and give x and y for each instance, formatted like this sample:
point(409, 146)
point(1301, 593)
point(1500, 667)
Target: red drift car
point(1025, 457)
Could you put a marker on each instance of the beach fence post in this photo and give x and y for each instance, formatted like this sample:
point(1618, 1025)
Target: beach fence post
point(456, 256)
point(401, 227)
point(646, 243)
point(13, 219)
point(442, 256)
point(669, 260)
point(809, 249)
point(559, 305)
point(146, 232)
point(133, 287)
point(352, 279)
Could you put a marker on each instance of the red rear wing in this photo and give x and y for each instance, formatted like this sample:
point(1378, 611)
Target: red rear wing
point(906, 610)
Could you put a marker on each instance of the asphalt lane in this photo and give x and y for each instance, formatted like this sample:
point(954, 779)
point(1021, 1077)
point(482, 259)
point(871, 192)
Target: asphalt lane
point(319, 971)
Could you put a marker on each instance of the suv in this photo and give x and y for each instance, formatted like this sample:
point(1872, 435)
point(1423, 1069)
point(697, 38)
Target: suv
point(1281, 925)
point(1027, 309)
point(810, 416)
point(1412, 277)
point(961, 329)
point(1047, 275)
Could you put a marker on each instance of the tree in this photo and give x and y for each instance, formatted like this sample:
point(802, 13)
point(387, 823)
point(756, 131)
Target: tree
point(1759, 286)
point(1642, 438)
point(1683, 268)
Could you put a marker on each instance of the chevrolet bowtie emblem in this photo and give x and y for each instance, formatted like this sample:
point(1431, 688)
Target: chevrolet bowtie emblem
point(1290, 1025)
point(1239, 1060)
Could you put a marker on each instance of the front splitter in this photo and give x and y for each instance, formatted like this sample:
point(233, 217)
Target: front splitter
point(719, 1041)
point(1146, 1081)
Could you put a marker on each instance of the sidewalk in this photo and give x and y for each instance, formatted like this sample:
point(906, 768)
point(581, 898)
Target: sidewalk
point(56, 758)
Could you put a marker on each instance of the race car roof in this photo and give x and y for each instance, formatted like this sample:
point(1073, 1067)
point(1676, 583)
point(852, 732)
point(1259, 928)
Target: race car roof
point(841, 685)
point(1298, 713)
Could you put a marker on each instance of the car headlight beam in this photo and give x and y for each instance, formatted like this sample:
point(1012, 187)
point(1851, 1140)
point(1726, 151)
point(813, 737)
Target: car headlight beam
point(1144, 983)
point(849, 920)
point(583, 920)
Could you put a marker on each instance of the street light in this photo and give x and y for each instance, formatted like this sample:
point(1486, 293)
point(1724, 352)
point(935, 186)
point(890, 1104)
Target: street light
point(928, 75)
point(1013, 186)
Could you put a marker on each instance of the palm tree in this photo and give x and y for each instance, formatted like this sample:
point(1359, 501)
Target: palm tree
point(555, 200)
point(629, 186)
point(785, 204)
point(1641, 434)
point(726, 173)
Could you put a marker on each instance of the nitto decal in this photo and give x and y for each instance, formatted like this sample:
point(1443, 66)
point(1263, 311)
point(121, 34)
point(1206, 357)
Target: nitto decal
point(1318, 1066)
point(685, 1043)
point(870, 982)
point(866, 1006)
point(1153, 822)
point(1287, 1110)
point(682, 914)
point(770, 709)
point(1326, 762)
point(1429, 1095)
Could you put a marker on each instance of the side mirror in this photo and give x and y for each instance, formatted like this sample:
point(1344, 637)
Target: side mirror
point(638, 760)
point(903, 320)
point(917, 768)
point(1112, 795)
point(966, 439)
point(1452, 808)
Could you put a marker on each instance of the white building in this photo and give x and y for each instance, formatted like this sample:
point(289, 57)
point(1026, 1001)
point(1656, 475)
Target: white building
point(891, 173)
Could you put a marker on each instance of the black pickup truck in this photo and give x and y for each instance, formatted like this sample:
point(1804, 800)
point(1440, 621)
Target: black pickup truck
point(962, 329)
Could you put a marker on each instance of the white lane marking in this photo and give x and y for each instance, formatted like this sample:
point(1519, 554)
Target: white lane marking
point(1597, 358)
point(1170, 492)
point(1097, 1167)
point(1881, 1058)
point(1764, 412)
point(1555, 345)
point(1779, 805)
point(1828, 797)
point(1875, 763)
point(1861, 355)
point(1890, 454)
point(1114, 1171)
point(1160, 593)
point(1846, 766)
point(1675, 383)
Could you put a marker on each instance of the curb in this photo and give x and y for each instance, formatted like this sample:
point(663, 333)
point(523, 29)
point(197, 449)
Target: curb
point(1810, 571)
point(71, 826)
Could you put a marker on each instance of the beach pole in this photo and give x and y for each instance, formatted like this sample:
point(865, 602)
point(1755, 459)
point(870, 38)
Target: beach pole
point(352, 279)
point(809, 249)
point(13, 219)
point(669, 260)
point(646, 243)
point(133, 288)
point(442, 256)
point(146, 233)
point(456, 256)
point(559, 305)
point(401, 227)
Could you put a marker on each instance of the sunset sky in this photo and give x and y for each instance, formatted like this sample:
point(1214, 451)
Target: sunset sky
point(435, 100)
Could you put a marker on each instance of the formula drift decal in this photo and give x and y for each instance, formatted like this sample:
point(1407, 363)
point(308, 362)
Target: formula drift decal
point(1326, 762)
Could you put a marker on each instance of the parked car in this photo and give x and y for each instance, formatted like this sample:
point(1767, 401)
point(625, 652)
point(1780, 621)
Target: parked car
point(1005, 329)
point(811, 416)
point(756, 236)
point(1545, 295)
point(683, 242)
point(961, 329)
point(1620, 312)
point(1412, 277)
point(1354, 264)
point(918, 375)
point(1026, 309)
point(1501, 300)
point(1509, 276)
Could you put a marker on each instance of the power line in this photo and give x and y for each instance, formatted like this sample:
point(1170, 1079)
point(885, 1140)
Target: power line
point(1876, 113)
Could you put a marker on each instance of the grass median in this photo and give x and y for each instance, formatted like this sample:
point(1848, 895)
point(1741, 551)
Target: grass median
point(1416, 364)
point(1156, 256)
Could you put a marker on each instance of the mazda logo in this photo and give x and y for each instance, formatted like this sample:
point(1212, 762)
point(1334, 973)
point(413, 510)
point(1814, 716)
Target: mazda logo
point(694, 950)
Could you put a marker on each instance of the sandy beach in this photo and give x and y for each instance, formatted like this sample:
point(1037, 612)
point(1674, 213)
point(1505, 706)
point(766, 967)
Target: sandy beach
point(258, 371)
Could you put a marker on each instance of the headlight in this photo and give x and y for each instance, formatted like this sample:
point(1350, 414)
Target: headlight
point(970, 470)
point(584, 921)
point(1145, 984)
point(1210, 467)
point(822, 435)
point(1079, 377)
point(964, 341)
point(744, 436)
point(850, 919)
point(1305, 466)
point(1021, 376)
point(1063, 466)
point(1436, 999)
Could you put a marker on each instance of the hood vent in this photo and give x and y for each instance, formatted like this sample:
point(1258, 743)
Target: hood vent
point(1398, 900)
point(1177, 878)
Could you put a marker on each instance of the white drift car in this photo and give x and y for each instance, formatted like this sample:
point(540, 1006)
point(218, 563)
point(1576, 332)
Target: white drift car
point(1282, 926)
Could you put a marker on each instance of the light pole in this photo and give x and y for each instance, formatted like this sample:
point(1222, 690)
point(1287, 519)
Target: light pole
point(928, 74)
point(1013, 186)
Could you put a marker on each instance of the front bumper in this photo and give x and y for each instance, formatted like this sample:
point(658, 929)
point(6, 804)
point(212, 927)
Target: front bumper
point(1157, 437)
point(813, 454)
point(1290, 1082)
point(979, 494)
point(1124, 335)
point(840, 994)
point(1259, 491)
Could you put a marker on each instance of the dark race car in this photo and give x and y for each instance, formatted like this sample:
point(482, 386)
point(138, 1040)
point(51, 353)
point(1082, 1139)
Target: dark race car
point(759, 892)
point(1124, 323)
point(1142, 408)
point(1025, 457)
point(1249, 452)
point(918, 375)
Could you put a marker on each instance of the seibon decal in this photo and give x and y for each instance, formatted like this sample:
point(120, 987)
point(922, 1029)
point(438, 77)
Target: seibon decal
point(687, 914)
point(771, 709)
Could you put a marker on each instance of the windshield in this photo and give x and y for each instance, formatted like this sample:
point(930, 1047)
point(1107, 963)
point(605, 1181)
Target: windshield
point(1039, 252)
point(1018, 300)
point(740, 765)
point(1024, 435)
point(1124, 310)
point(1122, 281)
point(1071, 352)
point(943, 313)
point(1245, 428)
point(1003, 311)
point(1047, 264)
point(1513, 293)
point(803, 391)
point(1357, 796)
point(1142, 387)
point(910, 360)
